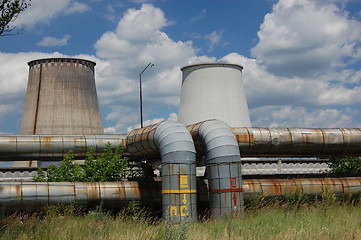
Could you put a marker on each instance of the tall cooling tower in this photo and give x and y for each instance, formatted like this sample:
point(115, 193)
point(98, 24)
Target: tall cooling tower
point(61, 98)
point(213, 91)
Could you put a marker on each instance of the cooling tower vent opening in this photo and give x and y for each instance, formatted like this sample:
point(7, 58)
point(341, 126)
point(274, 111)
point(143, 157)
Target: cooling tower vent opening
point(61, 98)
point(213, 91)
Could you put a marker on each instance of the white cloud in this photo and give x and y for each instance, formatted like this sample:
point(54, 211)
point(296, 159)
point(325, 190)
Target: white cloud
point(77, 7)
point(138, 40)
point(289, 116)
point(305, 38)
point(13, 80)
point(212, 39)
point(200, 16)
point(43, 11)
point(54, 42)
point(142, 1)
point(296, 97)
point(112, 11)
point(110, 130)
point(172, 117)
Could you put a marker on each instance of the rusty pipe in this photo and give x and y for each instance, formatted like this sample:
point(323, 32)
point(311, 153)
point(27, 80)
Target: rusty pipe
point(175, 145)
point(37, 195)
point(300, 142)
point(53, 147)
point(253, 142)
point(224, 167)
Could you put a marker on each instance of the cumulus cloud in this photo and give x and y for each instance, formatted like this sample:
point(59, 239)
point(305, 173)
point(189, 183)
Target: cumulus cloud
point(76, 7)
point(137, 40)
point(290, 116)
point(294, 79)
point(297, 96)
point(43, 11)
point(212, 39)
point(171, 117)
point(54, 42)
point(306, 38)
point(13, 81)
point(300, 74)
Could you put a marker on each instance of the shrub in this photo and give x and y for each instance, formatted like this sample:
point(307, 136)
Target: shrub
point(345, 164)
point(109, 166)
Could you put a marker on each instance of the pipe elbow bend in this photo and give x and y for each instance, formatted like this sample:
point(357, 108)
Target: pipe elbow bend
point(220, 142)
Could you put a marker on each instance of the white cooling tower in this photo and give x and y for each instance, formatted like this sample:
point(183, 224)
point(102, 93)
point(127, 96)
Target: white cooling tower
point(213, 91)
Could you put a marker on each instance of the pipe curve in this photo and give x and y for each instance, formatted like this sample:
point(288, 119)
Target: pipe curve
point(173, 142)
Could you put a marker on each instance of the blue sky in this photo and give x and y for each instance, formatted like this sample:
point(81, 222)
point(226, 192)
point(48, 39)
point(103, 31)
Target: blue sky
point(301, 58)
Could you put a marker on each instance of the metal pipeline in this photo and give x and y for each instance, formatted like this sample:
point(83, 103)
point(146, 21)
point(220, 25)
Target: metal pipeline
point(53, 147)
point(175, 145)
point(36, 195)
point(223, 166)
point(300, 142)
point(253, 142)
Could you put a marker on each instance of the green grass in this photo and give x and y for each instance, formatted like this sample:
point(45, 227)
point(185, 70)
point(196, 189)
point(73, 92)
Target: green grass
point(334, 222)
point(270, 222)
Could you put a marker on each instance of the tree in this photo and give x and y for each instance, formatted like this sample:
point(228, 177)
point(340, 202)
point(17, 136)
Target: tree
point(108, 167)
point(10, 10)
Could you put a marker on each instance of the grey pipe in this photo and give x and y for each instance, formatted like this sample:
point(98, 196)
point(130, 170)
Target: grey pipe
point(53, 147)
point(300, 142)
point(176, 147)
point(37, 195)
point(253, 142)
point(223, 166)
point(115, 195)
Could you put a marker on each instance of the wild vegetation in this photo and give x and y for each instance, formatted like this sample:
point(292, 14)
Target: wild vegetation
point(346, 164)
point(295, 216)
point(109, 166)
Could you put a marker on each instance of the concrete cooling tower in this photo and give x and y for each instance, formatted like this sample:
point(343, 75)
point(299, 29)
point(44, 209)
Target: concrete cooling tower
point(213, 91)
point(61, 98)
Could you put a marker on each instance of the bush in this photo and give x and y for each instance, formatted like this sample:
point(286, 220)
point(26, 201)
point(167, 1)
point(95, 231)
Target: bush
point(108, 167)
point(345, 164)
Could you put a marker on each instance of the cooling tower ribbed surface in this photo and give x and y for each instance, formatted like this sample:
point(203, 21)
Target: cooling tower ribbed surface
point(61, 98)
point(213, 91)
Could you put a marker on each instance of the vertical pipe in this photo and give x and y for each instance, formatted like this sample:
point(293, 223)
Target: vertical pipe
point(179, 199)
point(175, 145)
point(224, 168)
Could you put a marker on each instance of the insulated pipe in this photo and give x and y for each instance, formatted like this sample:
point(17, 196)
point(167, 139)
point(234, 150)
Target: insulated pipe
point(176, 147)
point(37, 195)
point(300, 142)
point(223, 166)
point(253, 142)
point(54, 147)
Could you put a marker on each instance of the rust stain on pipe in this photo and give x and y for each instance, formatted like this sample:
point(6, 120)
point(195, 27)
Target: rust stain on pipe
point(34, 195)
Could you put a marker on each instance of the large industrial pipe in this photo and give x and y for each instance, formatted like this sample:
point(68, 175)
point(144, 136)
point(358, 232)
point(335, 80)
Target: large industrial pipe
point(223, 166)
point(253, 142)
point(37, 195)
point(178, 155)
point(53, 147)
point(300, 142)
